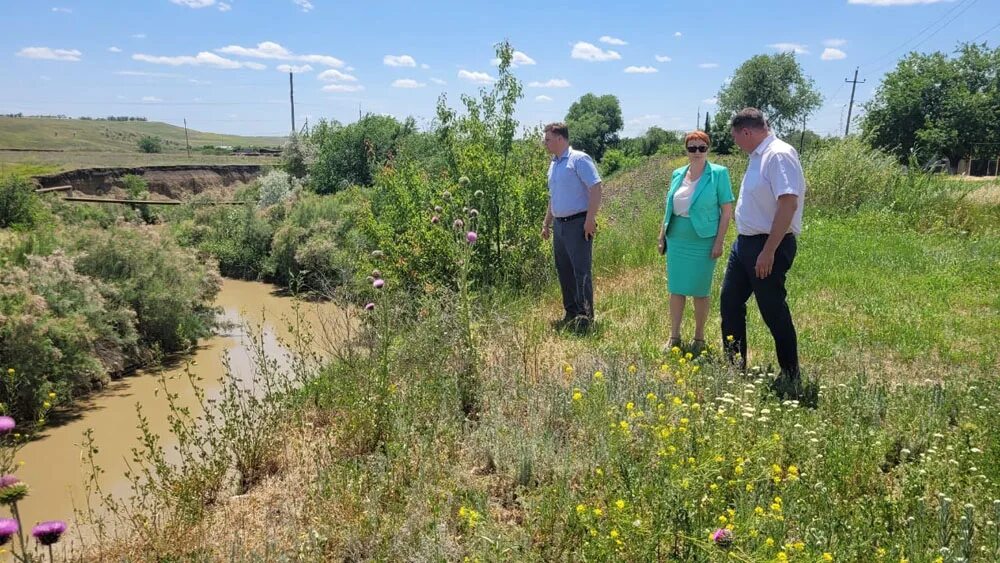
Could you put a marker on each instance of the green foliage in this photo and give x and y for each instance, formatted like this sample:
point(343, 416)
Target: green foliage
point(594, 123)
point(275, 187)
point(773, 84)
point(615, 160)
point(352, 154)
point(296, 156)
point(19, 206)
point(239, 237)
point(167, 287)
point(932, 106)
point(150, 144)
point(654, 141)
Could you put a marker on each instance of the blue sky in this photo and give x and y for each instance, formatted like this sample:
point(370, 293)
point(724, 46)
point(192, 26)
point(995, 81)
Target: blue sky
point(223, 64)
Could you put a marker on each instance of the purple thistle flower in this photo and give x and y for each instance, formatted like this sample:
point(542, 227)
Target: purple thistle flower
point(458, 224)
point(6, 424)
point(48, 533)
point(377, 284)
point(723, 538)
point(12, 490)
point(463, 181)
point(471, 236)
point(370, 307)
point(435, 219)
point(376, 274)
point(8, 527)
point(8, 480)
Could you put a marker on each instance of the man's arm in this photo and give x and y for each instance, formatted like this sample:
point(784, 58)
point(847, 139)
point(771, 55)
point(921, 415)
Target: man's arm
point(787, 204)
point(547, 222)
point(593, 206)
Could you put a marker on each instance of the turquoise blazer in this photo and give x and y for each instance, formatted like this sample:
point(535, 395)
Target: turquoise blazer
point(713, 190)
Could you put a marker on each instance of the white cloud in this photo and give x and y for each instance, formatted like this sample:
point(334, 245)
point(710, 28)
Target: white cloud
point(543, 98)
point(678, 34)
point(399, 60)
point(642, 119)
point(835, 42)
point(151, 99)
point(517, 59)
point(425, 66)
point(148, 74)
point(272, 50)
point(663, 59)
point(640, 70)
point(194, 3)
point(831, 54)
point(223, 7)
point(343, 88)
point(295, 69)
point(114, 49)
point(790, 47)
point(306, 5)
point(49, 54)
point(138, 36)
point(333, 75)
point(476, 77)
point(612, 40)
point(710, 101)
point(552, 83)
point(199, 82)
point(62, 10)
point(592, 53)
point(407, 83)
point(203, 58)
point(895, 2)
point(438, 81)
point(708, 65)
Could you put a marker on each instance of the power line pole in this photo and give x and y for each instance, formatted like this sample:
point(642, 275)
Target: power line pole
point(802, 137)
point(291, 97)
point(697, 120)
point(850, 106)
point(187, 141)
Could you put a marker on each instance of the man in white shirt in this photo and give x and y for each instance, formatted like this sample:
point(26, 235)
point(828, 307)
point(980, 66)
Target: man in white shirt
point(768, 218)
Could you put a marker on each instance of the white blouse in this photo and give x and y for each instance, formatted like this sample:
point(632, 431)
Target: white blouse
point(682, 197)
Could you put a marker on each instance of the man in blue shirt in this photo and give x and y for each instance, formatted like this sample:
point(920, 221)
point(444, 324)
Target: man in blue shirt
point(574, 198)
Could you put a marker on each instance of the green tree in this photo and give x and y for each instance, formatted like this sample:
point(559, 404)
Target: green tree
point(150, 144)
point(708, 124)
point(594, 123)
point(773, 84)
point(932, 106)
point(351, 154)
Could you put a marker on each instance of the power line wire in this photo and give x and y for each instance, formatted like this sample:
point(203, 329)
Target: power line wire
point(934, 22)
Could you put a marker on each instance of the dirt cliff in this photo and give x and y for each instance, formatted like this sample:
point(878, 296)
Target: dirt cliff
point(174, 182)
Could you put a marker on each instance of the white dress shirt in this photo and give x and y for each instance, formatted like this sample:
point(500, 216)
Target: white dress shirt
point(774, 170)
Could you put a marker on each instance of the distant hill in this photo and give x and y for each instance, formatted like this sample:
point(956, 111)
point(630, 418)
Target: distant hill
point(31, 133)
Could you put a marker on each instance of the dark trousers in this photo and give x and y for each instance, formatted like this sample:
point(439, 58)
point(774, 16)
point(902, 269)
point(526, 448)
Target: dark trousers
point(741, 280)
point(574, 257)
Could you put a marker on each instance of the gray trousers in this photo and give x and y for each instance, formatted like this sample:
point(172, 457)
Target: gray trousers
point(574, 258)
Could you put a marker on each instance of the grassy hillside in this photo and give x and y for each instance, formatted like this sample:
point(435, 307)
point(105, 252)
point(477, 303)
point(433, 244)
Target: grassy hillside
point(108, 136)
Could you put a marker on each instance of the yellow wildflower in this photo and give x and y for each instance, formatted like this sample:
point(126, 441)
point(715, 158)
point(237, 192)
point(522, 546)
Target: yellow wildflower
point(782, 556)
point(651, 397)
point(749, 487)
point(688, 356)
point(677, 401)
point(568, 369)
point(598, 375)
point(723, 519)
point(738, 470)
point(624, 425)
point(758, 511)
point(620, 504)
point(614, 534)
point(675, 350)
point(577, 395)
point(769, 542)
point(729, 338)
point(598, 512)
point(827, 556)
point(52, 395)
point(629, 406)
point(632, 369)
point(581, 508)
point(685, 421)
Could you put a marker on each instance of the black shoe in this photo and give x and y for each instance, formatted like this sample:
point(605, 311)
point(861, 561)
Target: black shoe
point(563, 322)
point(581, 324)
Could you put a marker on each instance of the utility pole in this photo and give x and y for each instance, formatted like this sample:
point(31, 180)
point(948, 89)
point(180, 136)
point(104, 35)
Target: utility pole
point(697, 120)
point(187, 141)
point(850, 106)
point(291, 97)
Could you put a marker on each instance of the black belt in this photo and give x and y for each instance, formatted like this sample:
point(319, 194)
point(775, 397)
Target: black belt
point(571, 217)
point(764, 235)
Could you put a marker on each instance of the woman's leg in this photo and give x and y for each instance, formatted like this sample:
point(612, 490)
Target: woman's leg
point(676, 315)
point(700, 316)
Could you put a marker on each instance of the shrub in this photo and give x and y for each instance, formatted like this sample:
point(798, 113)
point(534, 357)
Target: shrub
point(150, 144)
point(615, 160)
point(276, 186)
point(352, 154)
point(19, 206)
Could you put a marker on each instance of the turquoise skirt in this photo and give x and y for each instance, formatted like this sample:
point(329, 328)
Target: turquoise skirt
point(689, 259)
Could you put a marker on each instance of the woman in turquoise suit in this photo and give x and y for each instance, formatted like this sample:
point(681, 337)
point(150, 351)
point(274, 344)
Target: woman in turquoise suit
point(699, 209)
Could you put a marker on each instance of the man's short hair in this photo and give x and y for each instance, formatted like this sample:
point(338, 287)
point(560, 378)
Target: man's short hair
point(751, 118)
point(559, 128)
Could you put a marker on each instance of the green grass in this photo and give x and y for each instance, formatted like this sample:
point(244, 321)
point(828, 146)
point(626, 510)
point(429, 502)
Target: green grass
point(109, 136)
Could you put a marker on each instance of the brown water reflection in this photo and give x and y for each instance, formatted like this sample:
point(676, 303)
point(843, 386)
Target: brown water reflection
point(54, 464)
